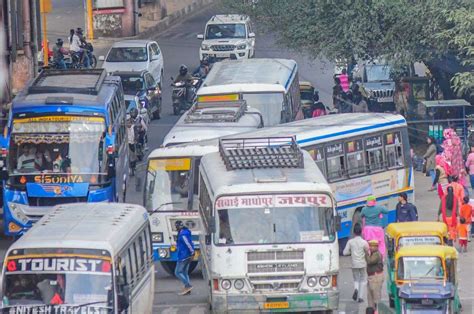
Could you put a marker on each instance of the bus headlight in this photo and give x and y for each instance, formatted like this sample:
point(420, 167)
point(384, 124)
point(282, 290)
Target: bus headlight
point(239, 284)
point(157, 237)
point(225, 284)
point(162, 253)
point(324, 281)
point(18, 213)
point(312, 281)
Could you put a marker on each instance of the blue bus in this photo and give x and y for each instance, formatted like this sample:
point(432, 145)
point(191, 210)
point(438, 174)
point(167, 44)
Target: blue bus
point(65, 141)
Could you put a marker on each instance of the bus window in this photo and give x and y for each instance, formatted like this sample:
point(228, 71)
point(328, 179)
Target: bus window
point(141, 252)
point(374, 153)
point(355, 158)
point(133, 263)
point(393, 149)
point(335, 161)
point(317, 154)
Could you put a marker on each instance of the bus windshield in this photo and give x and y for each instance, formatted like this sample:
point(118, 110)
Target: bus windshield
point(270, 106)
point(263, 224)
point(56, 279)
point(168, 183)
point(412, 267)
point(61, 144)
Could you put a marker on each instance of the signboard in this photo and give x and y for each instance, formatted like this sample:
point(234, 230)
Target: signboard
point(418, 240)
point(36, 309)
point(59, 124)
point(173, 164)
point(58, 119)
point(24, 264)
point(107, 4)
point(211, 98)
point(373, 142)
point(334, 150)
point(262, 201)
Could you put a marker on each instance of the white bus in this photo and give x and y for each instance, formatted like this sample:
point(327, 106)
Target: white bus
point(82, 258)
point(269, 85)
point(269, 240)
point(171, 188)
point(360, 154)
point(211, 120)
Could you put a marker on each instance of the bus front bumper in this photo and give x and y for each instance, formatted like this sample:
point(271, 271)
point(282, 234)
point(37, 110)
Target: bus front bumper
point(258, 303)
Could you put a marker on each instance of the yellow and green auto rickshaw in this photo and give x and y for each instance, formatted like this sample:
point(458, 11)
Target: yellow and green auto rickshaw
point(416, 264)
point(401, 234)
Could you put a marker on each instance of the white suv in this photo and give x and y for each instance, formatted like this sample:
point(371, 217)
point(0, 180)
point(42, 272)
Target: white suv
point(227, 36)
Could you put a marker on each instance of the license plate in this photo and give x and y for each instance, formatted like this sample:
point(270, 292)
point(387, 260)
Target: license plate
point(385, 99)
point(197, 253)
point(276, 305)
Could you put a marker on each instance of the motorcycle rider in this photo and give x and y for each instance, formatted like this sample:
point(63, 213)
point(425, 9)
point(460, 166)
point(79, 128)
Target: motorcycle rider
point(77, 45)
point(185, 77)
point(203, 68)
point(140, 127)
point(58, 54)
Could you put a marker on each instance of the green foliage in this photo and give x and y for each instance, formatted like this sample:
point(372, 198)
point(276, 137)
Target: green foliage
point(399, 31)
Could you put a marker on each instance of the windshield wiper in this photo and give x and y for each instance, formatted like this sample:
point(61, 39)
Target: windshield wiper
point(430, 270)
point(164, 204)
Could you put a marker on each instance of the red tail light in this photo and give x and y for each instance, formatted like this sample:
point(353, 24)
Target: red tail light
point(4, 152)
point(334, 280)
point(215, 284)
point(110, 149)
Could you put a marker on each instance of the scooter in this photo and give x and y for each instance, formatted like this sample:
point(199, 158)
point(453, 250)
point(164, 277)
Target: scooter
point(183, 95)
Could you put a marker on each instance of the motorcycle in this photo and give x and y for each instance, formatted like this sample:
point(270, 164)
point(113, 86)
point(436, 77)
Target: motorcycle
point(183, 94)
point(76, 57)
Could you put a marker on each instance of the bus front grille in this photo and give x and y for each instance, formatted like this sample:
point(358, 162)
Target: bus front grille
point(53, 201)
point(276, 270)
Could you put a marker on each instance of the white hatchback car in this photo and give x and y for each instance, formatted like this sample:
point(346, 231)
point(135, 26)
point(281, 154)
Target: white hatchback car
point(228, 37)
point(135, 55)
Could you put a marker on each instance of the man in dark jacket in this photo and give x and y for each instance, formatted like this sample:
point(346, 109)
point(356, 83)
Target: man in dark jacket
point(405, 211)
point(185, 248)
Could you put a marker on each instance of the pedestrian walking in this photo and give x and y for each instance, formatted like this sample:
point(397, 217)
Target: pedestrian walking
point(359, 104)
point(442, 171)
point(337, 94)
point(405, 211)
point(344, 79)
point(185, 248)
point(470, 166)
point(466, 213)
point(458, 189)
point(372, 216)
point(375, 274)
point(448, 212)
point(462, 235)
point(357, 249)
point(430, 162)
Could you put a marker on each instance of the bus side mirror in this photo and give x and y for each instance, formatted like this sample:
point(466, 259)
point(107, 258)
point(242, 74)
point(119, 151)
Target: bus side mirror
point(207, 239)
point(338, 223)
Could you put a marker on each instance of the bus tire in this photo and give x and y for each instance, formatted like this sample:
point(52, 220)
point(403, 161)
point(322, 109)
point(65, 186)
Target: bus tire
point(169, 267)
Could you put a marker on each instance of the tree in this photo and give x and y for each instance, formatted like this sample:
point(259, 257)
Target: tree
point(437, 32)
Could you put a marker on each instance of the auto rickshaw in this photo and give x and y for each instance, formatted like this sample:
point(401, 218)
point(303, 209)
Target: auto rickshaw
point(419, 263)
point(432, 297)
point(307, 100)
point(401, 234)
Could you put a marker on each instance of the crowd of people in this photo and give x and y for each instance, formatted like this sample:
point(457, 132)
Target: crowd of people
point(347, 98)
point(451, 176)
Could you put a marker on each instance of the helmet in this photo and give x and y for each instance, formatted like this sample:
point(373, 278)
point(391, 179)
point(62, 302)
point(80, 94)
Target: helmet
point(183, 70)
point(59, 42)
point(79, 31)
point(134, 113)
point(179, 224)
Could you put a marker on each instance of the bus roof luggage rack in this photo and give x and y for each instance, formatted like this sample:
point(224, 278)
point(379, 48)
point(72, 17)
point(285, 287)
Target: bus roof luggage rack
point(254, 153)
point(68, 81)
point(218, 111)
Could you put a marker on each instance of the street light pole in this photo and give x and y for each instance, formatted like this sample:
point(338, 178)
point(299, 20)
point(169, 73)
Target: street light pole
point(45, 8)
point(90, 17)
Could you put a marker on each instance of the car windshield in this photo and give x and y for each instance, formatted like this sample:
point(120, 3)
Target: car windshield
point(272, 225)
point(127, 54)
point(57, 144)
point(378, 73)
point(58, 280)
point(168, 183)
point(132, 84)
point(221, 31)
point(412, 267)
point(270, 106)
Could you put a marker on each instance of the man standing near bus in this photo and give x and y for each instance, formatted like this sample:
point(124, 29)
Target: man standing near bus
point(185, 248)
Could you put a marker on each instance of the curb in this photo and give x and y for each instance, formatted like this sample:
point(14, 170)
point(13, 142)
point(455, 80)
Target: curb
point(174, 17)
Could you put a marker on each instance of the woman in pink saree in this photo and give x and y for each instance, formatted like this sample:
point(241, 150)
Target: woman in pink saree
point(372, 217)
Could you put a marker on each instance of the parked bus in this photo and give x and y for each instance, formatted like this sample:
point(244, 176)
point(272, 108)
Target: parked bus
point(65, 141)
point(269, 85)
point(213, 119)
point(269, 239)
point(82, 258)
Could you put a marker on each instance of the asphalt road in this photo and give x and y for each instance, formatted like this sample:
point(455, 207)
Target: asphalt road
point(180, 46)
